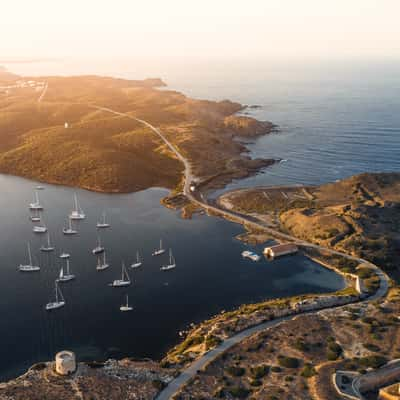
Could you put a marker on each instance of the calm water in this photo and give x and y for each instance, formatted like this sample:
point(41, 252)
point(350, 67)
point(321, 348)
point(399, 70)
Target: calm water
point(210, 276)
point(334, 120)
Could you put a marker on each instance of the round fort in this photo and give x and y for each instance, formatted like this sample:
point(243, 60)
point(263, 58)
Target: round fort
point(65, 362)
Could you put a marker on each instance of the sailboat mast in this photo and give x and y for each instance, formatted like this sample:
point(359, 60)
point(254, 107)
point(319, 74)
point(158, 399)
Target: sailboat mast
point(67, 266)
point(29, 254)
point(48, 239)
point(76, 202)
point(56, 292)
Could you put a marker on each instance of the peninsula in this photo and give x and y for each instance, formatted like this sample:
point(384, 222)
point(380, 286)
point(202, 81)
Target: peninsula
point(53, 130)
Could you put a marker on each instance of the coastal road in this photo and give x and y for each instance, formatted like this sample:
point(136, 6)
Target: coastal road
point(176, 384)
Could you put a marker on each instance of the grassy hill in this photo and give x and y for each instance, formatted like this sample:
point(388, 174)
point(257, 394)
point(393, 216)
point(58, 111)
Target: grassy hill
point(105, 152)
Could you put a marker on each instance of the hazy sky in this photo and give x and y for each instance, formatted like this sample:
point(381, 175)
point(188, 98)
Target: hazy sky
point(200, 28)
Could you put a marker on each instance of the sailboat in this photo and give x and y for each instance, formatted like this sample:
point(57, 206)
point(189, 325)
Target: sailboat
point(102, 264)
point(124, 281)
point(77, 212)
point(70, 230)
point(49, 247)
point(103, 223)
point(40, 228)
point(99, 248)
point(59, 301)
point(64, 255)
point(39, 187)
point(36, 203)
point(29, 267)
point(35, 217)
point(159, 251)
point(126, 307)
point(65, 276)
point(138, 262)
point(171, 264)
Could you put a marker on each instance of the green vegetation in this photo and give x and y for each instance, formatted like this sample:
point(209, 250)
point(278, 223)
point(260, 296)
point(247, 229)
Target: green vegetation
point(308, 371)
point(288, 362)
point(235, 371)
point(259, 371)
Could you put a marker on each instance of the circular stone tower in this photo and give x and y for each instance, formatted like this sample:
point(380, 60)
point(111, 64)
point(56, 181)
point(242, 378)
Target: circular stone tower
point(65, 362)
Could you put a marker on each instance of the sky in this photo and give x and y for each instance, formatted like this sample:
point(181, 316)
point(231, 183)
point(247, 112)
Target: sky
point(200, 29)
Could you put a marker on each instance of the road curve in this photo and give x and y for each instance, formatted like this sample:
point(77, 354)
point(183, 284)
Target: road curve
point(176, 384)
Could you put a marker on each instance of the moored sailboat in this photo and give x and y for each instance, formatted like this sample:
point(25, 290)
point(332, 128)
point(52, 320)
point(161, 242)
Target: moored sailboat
point(103, 224)
point(48, 247)
point(126, 307)
point(99, 248)
point(102, 263)
point(124, 281)
point(29, 267)
point(36, 203)
point(138, 262)
point(77, 213)
point(171, 264)
point(59, 300)
point(70, 230)
point(159, 251)
point(65, 276)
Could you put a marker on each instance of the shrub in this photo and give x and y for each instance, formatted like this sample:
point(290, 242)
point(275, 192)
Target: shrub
point(260, 371)
point(301, 345)
point(159, 385)
point(212, 341)
point(235, 371)
point(275, 368)
point(239, 391)
point(372, 361)
point(334, 351)
point(288, 362)
point(308, 371)
point(372, 347)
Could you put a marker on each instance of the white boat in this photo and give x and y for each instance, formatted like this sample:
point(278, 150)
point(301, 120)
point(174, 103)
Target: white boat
point(124, 281)
point(64, 255)
point(47, 248)
point(159, 251)
point(35, 217)
point(249, 254)
point(29, 267)
point(65, 276)
point(126, 307)
point(138, 262)
point(102, 263)
point(59, 301)
point(171, 264)
point(39, 229)
point(103, 223)
point(36, 203)
point(69, 230)
point(77, 212)
point(39, 187)
point(99, 248)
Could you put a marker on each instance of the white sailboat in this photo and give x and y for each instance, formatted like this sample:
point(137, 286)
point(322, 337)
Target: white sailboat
point(40, 228)
point(99, 248)
point(124, 281)
point(64, 255)
point(126, 307)
point(171, 264)
point(47, 248)
point(65, 276)
point(36, 203)
point(102, 263)
point(59, 301)
point(69, 230)
point(138, 262)
point(39, 187)
point(29, 267)
point(77, 212)
point(35, 217)
point(159, 251)
point(103, 223)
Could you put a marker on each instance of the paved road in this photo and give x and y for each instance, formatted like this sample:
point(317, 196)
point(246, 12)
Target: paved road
point(176, 384)
point(43, 92)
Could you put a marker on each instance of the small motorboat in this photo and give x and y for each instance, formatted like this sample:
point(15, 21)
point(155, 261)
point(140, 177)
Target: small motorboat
point(39, 229)
point(64, 255)
point(250, 255)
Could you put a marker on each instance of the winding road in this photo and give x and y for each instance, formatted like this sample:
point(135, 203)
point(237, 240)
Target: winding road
point(177, 383)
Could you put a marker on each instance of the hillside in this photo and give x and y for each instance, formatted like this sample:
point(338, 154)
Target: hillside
point(104, 152)
point(358, 215)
